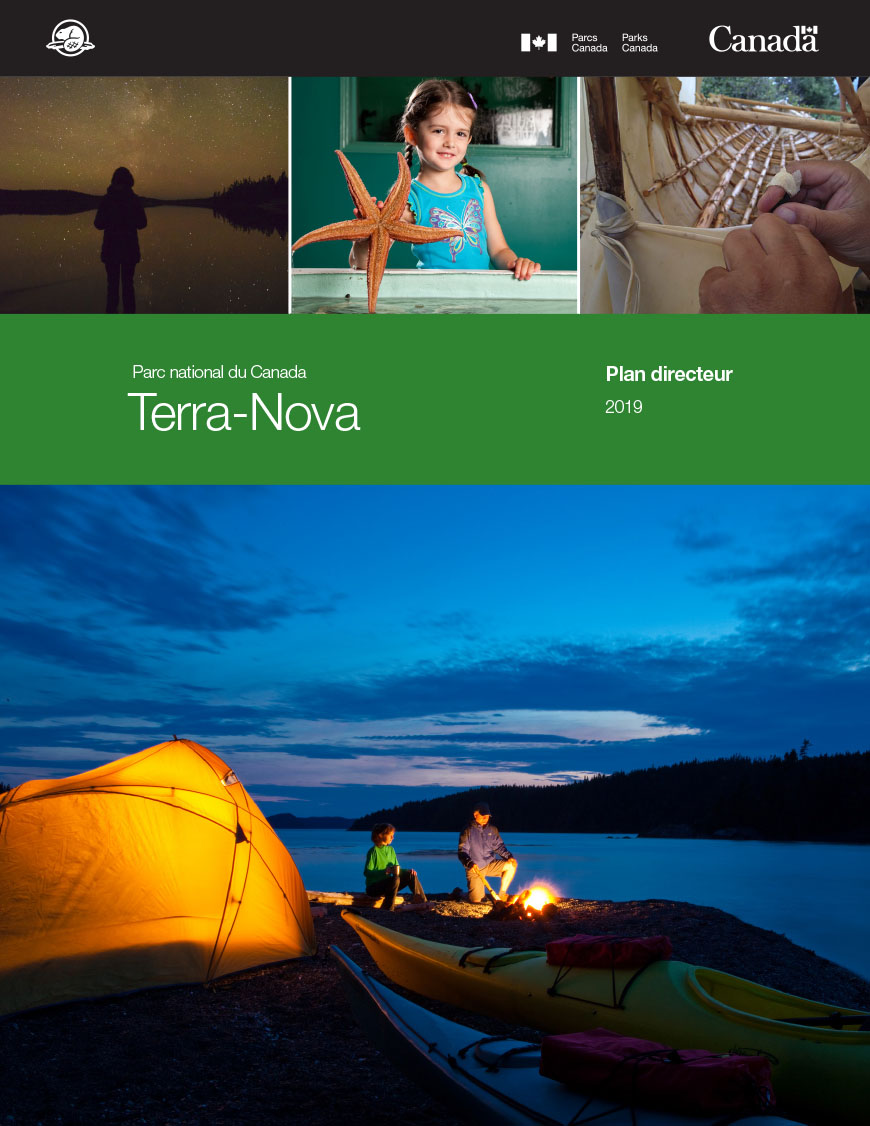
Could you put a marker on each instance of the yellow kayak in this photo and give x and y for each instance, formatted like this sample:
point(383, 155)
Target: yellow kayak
point(820, 1054)
point(485, 1079)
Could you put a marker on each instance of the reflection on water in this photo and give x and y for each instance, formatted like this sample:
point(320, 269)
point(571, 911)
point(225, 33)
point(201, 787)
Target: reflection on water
point(191, 263)
point(262, 219)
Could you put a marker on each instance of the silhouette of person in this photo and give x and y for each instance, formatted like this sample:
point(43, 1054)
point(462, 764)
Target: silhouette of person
point(119, 216)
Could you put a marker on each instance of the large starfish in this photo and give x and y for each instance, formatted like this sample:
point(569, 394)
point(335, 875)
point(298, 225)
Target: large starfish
point(379, 225)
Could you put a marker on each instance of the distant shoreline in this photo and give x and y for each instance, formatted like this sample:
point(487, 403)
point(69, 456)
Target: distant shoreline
point(860, 837)
point(820, 799)
point(49, 201)
point(291, 821)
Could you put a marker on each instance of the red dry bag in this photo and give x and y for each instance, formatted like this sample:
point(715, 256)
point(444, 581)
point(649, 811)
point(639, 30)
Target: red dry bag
point(608, 950)
point(604, 1064)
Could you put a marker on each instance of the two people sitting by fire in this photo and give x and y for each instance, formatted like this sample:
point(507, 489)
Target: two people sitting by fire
point(481, 850)
point(484, 854)
point(383, 875)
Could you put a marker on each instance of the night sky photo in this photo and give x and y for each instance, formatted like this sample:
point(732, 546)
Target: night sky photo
point(209, 161)
point(347, 649)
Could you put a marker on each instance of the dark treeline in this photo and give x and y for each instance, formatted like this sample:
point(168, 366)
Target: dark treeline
point(267, 191)
point(791, 797)
point(241, 195)
point(36, 201)
point(254, 205)
point(48, 202)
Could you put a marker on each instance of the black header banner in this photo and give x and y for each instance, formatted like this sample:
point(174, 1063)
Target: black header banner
point(401, 38)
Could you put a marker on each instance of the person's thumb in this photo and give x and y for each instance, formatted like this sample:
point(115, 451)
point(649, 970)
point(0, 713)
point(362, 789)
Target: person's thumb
point(827, 226)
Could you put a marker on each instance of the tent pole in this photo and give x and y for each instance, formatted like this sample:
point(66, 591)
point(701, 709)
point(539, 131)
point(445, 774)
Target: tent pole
point(705, 219)
point(759, 184)
point(610, 203)
point(659, 92)
point(604, 130)
point(748, 177)
point(849, 93)
point(783, 120)
point(785, 107)
point(684, 169)
point(670, 100)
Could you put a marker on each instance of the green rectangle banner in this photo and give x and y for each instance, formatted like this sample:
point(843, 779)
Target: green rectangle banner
point(377, 399)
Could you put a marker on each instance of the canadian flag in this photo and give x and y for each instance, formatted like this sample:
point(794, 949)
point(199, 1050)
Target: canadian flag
point(538, 42)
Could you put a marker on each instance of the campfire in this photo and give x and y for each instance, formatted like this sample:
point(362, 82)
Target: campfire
point(534, 904)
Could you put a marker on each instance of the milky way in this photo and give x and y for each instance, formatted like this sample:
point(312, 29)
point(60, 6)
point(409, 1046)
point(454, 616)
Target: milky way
point(181, 137)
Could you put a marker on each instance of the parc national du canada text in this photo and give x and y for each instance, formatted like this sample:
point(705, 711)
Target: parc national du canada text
point(154, 414)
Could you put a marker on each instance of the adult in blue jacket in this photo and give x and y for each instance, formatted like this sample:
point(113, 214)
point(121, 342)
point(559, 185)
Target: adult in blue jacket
point(484, 854)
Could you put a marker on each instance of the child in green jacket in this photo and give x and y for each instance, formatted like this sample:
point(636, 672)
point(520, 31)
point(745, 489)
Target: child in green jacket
point(383, 875)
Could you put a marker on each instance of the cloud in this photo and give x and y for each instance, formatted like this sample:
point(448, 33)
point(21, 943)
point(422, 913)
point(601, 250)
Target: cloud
point(76, 721)
point(263, 796)
point(91, 654)
point(793, 663)
point(399, 770)
point(59, 754)
point(558, 678)
point(531, 727)
point(459, 625)
point(479, 737)
point(147, 554)
point(698, 534)
point(836, 553)
point(796, 666)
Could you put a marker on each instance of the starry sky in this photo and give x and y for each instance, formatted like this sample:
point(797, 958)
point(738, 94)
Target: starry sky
point(180, 137)
point(351, 648)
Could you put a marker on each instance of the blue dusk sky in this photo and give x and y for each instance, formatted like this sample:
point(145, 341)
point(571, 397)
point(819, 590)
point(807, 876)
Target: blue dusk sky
point(346, 649)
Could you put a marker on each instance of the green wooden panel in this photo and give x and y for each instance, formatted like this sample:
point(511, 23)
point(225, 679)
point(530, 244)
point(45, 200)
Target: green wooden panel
point(534, 188)
point(521, 110)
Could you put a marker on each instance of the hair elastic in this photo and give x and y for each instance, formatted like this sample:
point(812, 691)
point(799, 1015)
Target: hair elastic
point(473, 102)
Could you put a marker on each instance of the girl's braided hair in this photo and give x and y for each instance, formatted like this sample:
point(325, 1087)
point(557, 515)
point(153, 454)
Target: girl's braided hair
point(424, 99)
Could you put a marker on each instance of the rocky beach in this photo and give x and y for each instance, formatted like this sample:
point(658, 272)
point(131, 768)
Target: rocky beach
point(278, 1044)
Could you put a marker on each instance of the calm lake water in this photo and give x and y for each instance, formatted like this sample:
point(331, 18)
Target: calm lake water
point(817, 895)
point(192, 262)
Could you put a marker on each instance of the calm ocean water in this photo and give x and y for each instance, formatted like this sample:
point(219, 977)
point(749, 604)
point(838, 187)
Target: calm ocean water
point(818, 895)
point(192, 262)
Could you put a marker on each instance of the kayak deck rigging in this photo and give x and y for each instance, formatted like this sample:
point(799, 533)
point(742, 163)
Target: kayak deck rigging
point(505, 956)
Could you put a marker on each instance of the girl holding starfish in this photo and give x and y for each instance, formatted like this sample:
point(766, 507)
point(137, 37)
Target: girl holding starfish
point(436, 125)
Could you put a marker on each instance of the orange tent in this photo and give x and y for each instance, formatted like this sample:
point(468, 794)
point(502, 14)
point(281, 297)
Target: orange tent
point(156, 869)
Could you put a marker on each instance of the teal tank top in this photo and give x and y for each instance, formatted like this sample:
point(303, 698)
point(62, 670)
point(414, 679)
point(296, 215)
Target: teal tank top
point(462, 208)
